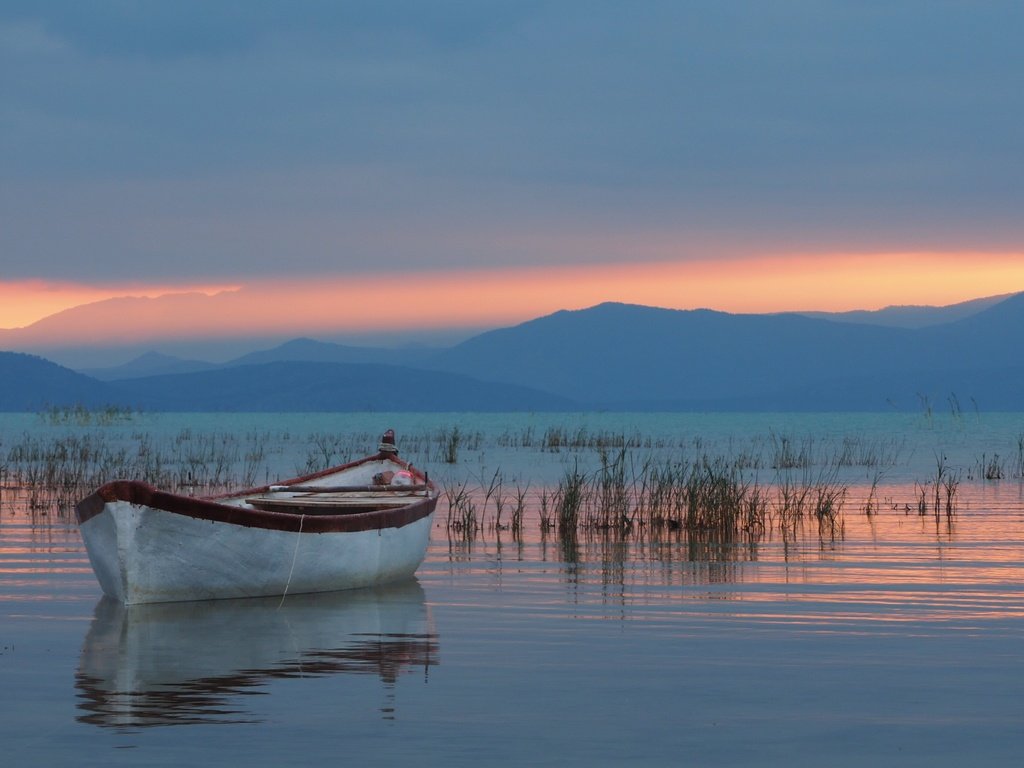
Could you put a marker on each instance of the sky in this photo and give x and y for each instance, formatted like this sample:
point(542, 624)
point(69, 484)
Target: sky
point(349, 166)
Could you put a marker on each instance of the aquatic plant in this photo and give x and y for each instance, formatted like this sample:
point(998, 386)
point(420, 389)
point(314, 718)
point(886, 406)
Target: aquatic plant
point(615, 484)
point(788, 456)
point(871, 502)
point(991, 467)
point(827, 508)
point(950, 486)
point(938, 495)
point(954, 406)
point(611, 496)
point(58, 470)
point(519, 509)
point(493, 490)
point(462, 513)
point(921, 495)
point(83, 416)
point(569, 499)
point(855, 451)
point(545, 511)
point(449, 440)
point(926, 406)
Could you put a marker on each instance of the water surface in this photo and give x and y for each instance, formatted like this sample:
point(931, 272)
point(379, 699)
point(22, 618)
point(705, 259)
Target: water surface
point(898, 642)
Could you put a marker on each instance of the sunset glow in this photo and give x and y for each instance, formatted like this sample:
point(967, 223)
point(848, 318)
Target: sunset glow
point(488, 298)
point(25, 302)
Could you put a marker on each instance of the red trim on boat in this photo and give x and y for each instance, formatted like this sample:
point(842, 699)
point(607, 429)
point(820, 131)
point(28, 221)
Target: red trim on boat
point(212, 508)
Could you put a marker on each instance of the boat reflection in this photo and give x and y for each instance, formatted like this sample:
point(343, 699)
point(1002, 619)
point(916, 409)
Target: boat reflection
point(188, 663)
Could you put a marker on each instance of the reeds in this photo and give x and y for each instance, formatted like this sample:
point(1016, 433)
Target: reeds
point(449, 441)
point(82, 416)
point(560, 438)
point(569, 499)
point(871, 502)
point(462, 510)
point(516, 503)
point(789, 455)
point(58, 470)
point(709, 496)
point(614, 484)
point(938, 496)
point(990, 467)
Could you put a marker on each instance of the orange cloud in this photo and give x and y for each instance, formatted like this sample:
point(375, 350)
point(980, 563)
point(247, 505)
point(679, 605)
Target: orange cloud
point(401, 300)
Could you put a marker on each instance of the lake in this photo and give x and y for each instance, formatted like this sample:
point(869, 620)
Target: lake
point(895, 640)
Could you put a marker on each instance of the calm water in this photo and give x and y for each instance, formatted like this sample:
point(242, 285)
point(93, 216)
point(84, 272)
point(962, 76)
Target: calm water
point(902, 642)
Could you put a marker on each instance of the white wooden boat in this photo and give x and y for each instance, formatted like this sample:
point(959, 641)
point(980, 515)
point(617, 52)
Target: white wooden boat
point(360, 524)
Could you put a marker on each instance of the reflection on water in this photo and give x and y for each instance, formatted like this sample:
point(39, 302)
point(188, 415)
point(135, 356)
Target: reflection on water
point(188, 663)
point(889, 567)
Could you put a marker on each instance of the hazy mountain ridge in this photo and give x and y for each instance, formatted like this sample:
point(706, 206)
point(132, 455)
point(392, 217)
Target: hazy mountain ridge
point(337, 387)
point(911, 316)
point(619, 356)
point(116, 314)
point(611, 356)
point(614, 352)
point(310, 350)
point(296, 350)
point(113, 310)
point(31, 383)
point(148, 364)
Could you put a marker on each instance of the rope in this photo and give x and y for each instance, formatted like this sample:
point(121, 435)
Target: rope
point(295, 555)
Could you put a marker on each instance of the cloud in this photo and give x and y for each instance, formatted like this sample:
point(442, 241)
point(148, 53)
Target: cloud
point(212, 141)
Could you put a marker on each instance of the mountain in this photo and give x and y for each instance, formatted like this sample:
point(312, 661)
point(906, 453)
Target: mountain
point(297, 350)
point(29, 383)
point(994, 328)
point(623, 356)
point(104, 333)
point(611, 356)
point(193, 325)
point(110, 317)
point(312, 351)
point(911, 316)
point(148, 364)
point(315, 387)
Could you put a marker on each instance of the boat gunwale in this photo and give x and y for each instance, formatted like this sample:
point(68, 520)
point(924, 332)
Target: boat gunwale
point(213, 508)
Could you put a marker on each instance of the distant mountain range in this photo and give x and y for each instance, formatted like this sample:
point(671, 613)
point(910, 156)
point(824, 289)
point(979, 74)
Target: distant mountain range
point(148, 364)
point(296, 350)
point(29, 383)
point(629, 357)
point(911, 316)
point(612, 356)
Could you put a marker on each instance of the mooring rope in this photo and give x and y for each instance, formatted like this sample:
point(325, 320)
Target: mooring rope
point(295, 555)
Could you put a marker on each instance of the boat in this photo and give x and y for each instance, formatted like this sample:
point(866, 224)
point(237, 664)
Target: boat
point(356, 525)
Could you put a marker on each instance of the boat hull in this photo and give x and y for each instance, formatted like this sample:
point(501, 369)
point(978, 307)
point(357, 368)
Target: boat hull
point(342, 528)
point(144, 554)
